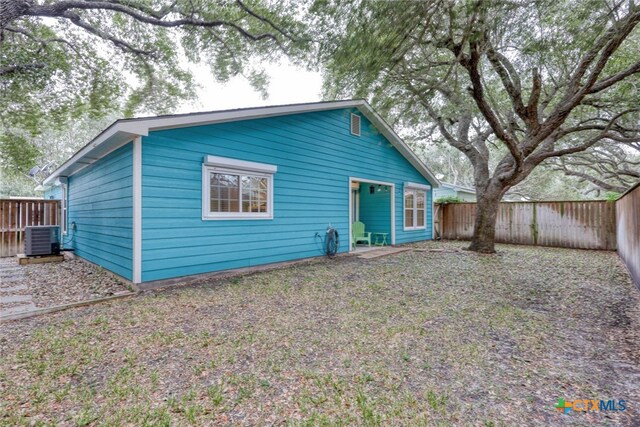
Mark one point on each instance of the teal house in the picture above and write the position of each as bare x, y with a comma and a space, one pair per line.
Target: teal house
163, 197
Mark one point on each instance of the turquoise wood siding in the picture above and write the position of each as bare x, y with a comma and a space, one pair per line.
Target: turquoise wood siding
101, 204
315, 154
375, 209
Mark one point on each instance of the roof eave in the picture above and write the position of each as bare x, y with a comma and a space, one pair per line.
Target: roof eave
110, 139
397, 142
123, 131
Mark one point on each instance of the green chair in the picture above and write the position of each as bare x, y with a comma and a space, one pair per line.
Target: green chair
359, 235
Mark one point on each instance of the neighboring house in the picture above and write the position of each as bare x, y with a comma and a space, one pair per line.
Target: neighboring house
162, 197
452, 190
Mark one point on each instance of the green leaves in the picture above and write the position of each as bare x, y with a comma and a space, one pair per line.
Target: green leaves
62, 61
17, 154
92, 58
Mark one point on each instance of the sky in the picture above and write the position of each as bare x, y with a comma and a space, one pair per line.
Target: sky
288, 85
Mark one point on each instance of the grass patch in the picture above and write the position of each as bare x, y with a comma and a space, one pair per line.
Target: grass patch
418, 338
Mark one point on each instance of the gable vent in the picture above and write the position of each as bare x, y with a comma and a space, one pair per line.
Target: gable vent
355, 124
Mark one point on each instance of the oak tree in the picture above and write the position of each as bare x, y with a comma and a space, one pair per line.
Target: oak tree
510, 84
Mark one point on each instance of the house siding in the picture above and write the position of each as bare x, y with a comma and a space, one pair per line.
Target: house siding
53, 193
441, 192
315, 154
100, 202
445, 191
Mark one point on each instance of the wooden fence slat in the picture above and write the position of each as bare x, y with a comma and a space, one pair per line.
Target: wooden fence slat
16, 215
579, 224
628, 231
2, 217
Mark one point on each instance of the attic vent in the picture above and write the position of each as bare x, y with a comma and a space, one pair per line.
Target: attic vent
355, 124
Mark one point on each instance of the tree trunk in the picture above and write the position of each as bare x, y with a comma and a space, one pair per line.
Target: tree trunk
484, 232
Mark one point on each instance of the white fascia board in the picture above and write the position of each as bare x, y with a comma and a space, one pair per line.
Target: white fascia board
170, 122
140, 127
397, 142
457, 187
472, 192
82, 155
227, 162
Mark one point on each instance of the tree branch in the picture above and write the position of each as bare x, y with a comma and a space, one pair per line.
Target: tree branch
604, 134
21, 68
472, 64
60, 8
615, 78
265, 20
602, 50
513, 90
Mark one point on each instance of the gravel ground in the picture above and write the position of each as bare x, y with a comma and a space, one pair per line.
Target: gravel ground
442, 338
57, 283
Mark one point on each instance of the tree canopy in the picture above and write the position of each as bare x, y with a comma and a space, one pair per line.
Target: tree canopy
509, 84
70, 59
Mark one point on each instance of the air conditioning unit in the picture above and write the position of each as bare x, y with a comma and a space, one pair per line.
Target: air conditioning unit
42, 240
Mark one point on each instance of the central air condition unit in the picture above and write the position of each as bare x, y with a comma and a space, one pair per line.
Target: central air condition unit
42, 240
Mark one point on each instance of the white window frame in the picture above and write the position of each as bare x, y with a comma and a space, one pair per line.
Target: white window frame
64, 214
415, 189
63, 182
224, 165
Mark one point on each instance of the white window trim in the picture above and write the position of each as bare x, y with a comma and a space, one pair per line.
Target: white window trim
63, 182
64, 209
235, 167
359, 118
242, 165
414, 187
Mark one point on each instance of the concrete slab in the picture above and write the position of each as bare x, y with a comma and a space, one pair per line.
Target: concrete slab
15, 298
12, 288
17, 309
384, 251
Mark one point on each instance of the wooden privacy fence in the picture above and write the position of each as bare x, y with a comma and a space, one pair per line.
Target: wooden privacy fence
16, 215
628, 220
582, 225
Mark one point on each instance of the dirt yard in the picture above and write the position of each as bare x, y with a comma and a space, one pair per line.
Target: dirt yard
442, 338
27, 288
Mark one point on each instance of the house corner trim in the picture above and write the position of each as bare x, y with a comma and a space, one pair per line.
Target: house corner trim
137, 210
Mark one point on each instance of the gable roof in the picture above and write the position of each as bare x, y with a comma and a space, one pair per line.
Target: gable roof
457, 187
122, 131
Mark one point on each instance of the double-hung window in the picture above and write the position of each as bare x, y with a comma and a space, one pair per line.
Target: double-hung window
236, 189
415, 206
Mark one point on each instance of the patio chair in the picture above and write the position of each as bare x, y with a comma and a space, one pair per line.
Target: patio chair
359, 235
